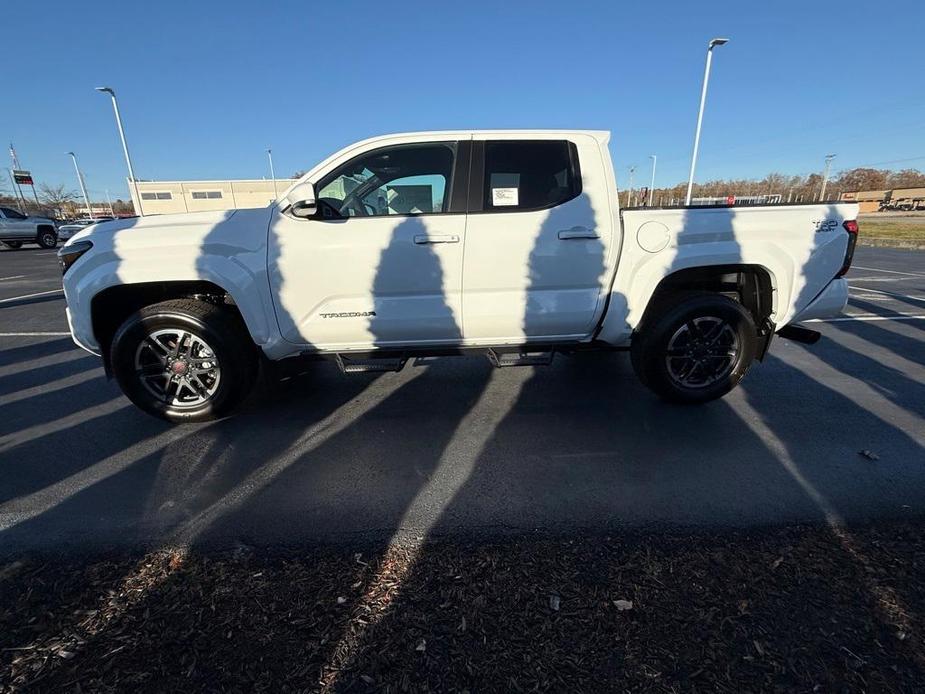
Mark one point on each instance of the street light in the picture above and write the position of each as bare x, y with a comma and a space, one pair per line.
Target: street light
703, 99
629, 195
652, 184
272, 173
128, 159
83, 188
825, 175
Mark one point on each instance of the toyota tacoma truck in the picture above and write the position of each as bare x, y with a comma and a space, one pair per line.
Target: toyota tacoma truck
510, 244
17, 229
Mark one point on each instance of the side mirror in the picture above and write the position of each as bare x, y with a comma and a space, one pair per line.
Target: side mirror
301, 201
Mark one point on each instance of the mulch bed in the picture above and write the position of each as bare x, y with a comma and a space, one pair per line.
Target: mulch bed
793, 609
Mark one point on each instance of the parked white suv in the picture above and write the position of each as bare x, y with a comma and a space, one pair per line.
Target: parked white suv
17, 229
506, 243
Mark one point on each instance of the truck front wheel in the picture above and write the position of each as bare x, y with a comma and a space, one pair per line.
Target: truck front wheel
184, 360
697, 347
47, 237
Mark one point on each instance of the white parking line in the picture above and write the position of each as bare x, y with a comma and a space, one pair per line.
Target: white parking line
891, 272
29, 296
865, 317
34, 334
13, 277
898, 296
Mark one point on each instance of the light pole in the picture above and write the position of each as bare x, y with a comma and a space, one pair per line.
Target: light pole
703, 100
652, 184
272, 173
83, 188
629, 195
128, 159
825, 174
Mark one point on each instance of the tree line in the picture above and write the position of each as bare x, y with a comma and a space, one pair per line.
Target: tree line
56, 201
800, 188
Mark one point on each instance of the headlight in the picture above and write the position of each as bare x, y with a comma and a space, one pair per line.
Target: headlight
69, 254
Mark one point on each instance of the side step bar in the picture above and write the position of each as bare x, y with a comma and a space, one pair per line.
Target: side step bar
502, 359
798, 333
350, 365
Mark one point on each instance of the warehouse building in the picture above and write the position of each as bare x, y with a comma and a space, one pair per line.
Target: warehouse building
171, 197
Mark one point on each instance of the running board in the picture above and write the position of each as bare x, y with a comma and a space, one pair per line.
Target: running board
502, 359
798, 333
350, 365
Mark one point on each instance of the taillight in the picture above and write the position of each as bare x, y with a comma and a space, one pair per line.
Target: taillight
851, 226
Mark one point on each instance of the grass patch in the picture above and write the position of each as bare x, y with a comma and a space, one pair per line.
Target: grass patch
893, 229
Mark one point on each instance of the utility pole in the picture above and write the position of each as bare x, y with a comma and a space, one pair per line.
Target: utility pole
703, 99
652, 184
825, 174
83, 187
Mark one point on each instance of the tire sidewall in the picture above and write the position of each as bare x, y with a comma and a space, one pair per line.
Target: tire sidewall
42, 240
229, 353
655, 372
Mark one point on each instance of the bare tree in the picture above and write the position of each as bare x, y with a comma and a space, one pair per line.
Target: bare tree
56, 196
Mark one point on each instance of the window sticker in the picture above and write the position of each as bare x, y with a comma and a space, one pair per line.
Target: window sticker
503, 196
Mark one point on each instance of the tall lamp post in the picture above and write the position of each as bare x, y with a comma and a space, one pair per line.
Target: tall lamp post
703, 99
128, 159
652, 184
83, 188
825, 175
272, 173
629, 194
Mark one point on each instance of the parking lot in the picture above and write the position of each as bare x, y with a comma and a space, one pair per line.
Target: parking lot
453, 446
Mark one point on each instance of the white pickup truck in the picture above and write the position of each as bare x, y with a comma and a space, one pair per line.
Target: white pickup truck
506, 243
17, 229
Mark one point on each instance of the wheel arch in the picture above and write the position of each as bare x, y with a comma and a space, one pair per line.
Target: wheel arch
753, 286
110, 307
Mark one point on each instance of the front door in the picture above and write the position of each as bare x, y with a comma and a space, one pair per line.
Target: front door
380, 265
538, 241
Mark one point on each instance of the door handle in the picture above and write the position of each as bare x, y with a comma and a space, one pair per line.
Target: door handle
578, 232
436, 238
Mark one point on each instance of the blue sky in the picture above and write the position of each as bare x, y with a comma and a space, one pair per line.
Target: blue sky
206, 86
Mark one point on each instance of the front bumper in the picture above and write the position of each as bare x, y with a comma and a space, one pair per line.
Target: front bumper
82, 338
830, 302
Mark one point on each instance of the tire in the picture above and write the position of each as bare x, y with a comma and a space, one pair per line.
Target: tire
47, 237
164, 381
696, 348
15, 245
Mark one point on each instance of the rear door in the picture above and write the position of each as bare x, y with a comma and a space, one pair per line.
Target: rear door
538, 239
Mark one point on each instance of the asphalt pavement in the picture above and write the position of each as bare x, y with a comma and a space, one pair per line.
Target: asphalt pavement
827, 433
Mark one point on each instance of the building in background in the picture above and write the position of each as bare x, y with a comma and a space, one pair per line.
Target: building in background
171, 197
868, 200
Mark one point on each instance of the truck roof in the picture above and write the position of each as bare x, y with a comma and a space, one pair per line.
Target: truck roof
602, 136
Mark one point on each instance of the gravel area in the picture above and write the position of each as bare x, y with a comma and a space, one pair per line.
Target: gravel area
794, 608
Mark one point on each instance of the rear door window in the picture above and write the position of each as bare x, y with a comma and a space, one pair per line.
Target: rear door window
522, 175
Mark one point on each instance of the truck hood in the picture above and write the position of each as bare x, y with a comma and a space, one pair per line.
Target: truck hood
163, 221
224, 231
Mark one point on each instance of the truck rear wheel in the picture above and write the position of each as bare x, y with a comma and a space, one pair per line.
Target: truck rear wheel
697, 348
184, 360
